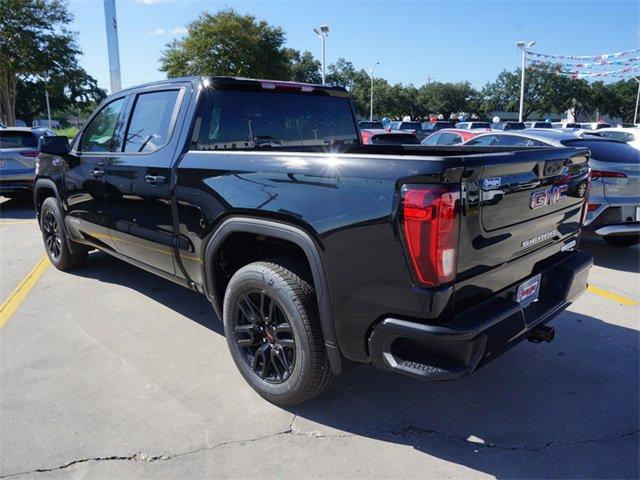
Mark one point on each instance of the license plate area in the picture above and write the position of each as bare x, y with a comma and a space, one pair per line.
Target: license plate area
529, 291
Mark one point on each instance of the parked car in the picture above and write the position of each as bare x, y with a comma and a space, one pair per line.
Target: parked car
314, 249
614, 202
414, 127
369, 125
473, 126
18, 152
508, 126
429, 128
538, 124
388, 137
594, 125
450, 136
630, 136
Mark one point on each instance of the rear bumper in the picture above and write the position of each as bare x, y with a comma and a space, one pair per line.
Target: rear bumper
11, 182
480, 334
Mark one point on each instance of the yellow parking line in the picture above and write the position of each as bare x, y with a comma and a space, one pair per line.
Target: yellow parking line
17, 222
11, 304
612, 296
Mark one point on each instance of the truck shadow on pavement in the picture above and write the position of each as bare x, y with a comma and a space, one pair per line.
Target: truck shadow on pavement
568, 409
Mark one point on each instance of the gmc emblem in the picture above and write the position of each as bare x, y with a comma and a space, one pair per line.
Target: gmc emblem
546, 197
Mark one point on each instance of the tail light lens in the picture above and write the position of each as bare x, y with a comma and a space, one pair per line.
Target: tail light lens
586, 206
596, 174
366, 136
593, 207
431, 227
29, 153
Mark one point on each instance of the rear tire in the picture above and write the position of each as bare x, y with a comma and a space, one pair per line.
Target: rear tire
55, 238
273, 332
626, 241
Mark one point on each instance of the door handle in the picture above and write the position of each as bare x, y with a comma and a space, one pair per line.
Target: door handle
155, 179
96, 172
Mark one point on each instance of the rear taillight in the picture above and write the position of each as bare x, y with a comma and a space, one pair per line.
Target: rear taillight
596, 174
29, 153
430, 225
366, 136
593, 207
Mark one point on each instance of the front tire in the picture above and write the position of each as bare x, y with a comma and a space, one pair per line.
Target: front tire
273, 332
55, 238
625, 241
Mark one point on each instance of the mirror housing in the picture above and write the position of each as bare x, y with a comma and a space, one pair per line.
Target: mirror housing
58, 145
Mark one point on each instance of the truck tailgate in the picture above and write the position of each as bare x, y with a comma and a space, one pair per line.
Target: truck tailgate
520, 211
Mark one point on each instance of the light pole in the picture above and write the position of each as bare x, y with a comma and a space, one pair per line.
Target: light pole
112, 44
524, 46
371, 69
322, 32
46, 96
635, 115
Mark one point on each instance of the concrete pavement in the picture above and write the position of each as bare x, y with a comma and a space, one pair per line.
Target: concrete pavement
111, 372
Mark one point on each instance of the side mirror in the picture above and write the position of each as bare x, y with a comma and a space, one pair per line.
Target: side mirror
58, 145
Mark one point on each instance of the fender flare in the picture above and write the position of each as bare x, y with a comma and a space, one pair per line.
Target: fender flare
291, 234
47, 182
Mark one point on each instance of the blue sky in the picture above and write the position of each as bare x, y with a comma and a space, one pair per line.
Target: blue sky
412, 40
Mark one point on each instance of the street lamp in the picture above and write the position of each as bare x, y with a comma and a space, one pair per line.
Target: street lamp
322, 32
371, 69
524, 46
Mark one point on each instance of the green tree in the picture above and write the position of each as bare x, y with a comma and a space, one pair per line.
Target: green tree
304, 67
36, 45
227, 43
447, 98
73, 93
619, 99
504, 94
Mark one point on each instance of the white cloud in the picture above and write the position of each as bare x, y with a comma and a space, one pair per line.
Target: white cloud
157, 32
152, 2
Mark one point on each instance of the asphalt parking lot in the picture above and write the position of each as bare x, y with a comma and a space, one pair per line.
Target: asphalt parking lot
111, 372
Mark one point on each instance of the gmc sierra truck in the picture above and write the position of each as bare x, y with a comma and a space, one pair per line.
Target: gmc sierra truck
316, 251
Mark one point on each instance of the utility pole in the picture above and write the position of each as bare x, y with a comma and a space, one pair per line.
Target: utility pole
322, 32
635, 115
46, 96
524, 46
112, 44
371, 69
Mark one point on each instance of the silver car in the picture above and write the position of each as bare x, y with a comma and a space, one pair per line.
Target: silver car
614, 201
18, 153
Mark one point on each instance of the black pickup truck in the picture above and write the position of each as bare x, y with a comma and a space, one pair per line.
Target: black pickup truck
316, 251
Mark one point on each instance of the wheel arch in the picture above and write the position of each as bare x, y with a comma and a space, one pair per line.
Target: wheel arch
42, 189
288, 233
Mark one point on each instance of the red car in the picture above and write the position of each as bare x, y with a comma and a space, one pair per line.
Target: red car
388, 137
451, 136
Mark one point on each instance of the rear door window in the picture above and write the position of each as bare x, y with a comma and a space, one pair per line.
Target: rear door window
607, 151
15, 139
100, 134
150, 124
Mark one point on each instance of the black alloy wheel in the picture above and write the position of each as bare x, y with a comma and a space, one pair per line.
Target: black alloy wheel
264, 336
51, 233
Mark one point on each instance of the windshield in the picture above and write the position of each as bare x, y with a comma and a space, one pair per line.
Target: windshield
607, 151
257, 119
13, 139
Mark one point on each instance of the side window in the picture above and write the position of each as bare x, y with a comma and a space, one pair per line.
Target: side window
449, 139
431, 139
99, 135
149, 127
486, 140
